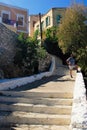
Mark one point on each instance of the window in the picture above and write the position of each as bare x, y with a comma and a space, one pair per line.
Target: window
58, 18
48, 21
20, 20
5, 16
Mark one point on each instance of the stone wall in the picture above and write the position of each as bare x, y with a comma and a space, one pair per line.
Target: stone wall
44, 64
79, 108
7, 36
8, 39
7, 45
10, 27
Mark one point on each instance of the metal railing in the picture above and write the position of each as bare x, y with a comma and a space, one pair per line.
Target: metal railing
9, 22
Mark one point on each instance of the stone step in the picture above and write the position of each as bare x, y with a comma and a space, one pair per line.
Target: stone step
36, 94
33, 118
46, 101
36, 108
41, 127
36, 127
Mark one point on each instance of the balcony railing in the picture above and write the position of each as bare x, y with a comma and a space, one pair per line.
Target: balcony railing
10, 22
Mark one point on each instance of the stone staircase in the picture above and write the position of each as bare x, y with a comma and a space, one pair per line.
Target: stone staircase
35, 110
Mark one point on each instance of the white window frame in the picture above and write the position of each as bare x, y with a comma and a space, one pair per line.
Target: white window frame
20, 15
6, 12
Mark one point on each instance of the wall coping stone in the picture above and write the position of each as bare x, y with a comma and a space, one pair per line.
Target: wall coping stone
79, 107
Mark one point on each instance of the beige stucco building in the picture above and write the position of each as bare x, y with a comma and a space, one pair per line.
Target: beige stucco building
32, 21
51, 18
14, 16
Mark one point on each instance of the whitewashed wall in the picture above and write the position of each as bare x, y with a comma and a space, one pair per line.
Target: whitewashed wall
17, 82
56, 69
79, 108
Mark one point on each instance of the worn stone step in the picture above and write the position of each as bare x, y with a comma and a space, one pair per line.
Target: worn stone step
57, 109
36, 94
46, 101
33, 118
41, 127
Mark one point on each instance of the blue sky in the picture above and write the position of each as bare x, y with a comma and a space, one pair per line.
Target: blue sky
41, 6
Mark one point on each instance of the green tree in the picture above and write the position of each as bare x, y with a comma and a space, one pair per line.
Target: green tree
28, 54
73, 32
51, 42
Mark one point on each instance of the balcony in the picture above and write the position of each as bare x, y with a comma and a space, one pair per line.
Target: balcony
9, 22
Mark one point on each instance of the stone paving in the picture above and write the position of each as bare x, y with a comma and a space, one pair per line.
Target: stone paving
53, 84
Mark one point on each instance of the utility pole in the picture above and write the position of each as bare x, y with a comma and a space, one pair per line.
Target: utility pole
40, 27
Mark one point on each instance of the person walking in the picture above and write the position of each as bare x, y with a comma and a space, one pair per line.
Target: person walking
71, 64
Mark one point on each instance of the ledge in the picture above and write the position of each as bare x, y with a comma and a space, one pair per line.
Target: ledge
79, 108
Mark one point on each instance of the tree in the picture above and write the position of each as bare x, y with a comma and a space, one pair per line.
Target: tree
73, 32
51, 42
28, 54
